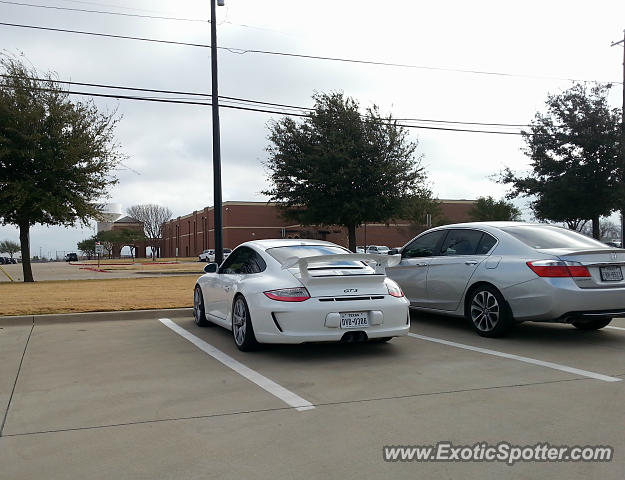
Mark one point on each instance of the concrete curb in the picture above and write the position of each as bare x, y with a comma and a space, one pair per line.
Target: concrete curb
95, 316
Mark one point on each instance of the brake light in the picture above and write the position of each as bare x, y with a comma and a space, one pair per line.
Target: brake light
297, 294
393, 289
558, 269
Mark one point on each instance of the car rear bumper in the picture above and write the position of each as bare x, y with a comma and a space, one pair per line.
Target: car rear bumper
560, 300
311, 321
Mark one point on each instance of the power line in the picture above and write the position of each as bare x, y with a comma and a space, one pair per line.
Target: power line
99, 4
124, 37
235, 107
258, 102
84, 10
153, 90
242, 51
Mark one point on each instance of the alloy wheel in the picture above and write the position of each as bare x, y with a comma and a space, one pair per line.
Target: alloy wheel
239, 321
485, 311
197, 302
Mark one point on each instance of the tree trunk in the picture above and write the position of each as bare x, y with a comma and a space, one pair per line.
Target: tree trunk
351, 235
595, 228
25, 246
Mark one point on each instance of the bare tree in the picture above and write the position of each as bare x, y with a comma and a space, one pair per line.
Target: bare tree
608, 230
153, 217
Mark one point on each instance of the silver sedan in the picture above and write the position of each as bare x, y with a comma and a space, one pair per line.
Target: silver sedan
500, 273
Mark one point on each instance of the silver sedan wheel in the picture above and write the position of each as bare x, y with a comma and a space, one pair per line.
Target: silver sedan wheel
485, 311
239, 321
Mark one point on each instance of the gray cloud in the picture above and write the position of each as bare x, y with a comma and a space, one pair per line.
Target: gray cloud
170, 145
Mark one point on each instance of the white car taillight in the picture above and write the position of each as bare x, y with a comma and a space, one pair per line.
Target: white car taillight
297, 294
393, 289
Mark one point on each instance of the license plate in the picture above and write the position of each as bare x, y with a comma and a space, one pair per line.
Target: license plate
354, 319
611, 274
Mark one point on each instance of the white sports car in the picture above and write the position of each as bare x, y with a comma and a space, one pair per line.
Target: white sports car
296, 291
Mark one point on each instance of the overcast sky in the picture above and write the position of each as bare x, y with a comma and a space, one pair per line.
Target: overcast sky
541, 43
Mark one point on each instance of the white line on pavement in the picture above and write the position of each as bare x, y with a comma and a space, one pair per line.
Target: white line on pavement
615, 328
555, 366
263, 382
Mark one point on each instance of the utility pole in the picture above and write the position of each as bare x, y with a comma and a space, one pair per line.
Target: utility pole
216, 139
622, 42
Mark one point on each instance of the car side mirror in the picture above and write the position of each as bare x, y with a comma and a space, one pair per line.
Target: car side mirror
210, 268
393, 251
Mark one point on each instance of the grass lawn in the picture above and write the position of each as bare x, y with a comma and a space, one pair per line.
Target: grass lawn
72, 296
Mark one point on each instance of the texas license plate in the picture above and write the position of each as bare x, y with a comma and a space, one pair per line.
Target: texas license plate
354, 319
611, 274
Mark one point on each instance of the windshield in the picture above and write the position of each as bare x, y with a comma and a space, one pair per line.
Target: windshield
281, 254
544, 237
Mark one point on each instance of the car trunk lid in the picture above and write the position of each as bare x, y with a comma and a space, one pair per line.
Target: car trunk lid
605, 265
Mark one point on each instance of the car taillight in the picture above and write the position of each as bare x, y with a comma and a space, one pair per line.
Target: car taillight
393, 289
297, 294
558, 269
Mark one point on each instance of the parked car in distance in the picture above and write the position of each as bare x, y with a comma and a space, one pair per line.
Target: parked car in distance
207, 256
71, 257
500, 273
360, 249
3, 261
296, 291
381, 249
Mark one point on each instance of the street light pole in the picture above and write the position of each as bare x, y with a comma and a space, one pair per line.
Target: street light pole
622, 42
216, 139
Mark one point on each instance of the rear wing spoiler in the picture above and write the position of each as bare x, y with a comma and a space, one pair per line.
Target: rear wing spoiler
381, 261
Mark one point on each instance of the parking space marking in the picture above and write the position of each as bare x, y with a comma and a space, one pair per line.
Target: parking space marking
263, 382
615, 328
533, 361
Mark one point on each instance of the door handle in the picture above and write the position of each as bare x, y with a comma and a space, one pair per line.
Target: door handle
470, 262
421, 264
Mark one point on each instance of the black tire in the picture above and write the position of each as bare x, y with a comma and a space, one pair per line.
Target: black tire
488, 312
199, 313
242, 329
592, 324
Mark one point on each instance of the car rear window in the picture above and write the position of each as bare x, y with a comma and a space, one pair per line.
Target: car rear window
281, 254
544, 237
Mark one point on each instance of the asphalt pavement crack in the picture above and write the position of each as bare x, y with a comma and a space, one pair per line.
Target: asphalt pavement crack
278, 409
17, 376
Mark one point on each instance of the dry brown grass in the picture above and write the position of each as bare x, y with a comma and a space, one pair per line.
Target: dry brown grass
128, 261
72, 296
164, 265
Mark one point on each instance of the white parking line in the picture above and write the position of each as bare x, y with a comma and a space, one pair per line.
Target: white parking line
263, 382
555, 366
615, 328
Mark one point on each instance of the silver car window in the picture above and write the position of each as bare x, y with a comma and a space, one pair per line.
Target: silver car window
544, 236
461, 242
486, 243
424, 245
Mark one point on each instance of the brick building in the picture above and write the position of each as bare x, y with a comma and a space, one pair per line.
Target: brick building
128, 223
187, 236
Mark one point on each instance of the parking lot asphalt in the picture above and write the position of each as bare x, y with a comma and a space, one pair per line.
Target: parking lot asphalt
136, 399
